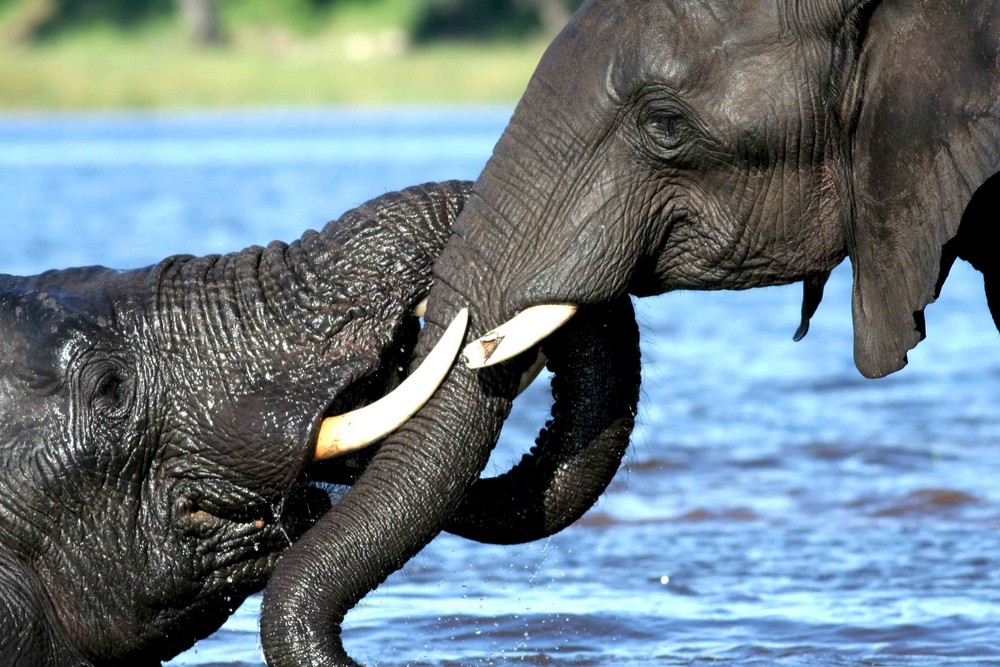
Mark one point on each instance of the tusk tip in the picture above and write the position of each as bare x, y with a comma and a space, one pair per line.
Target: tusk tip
525, 330
478, 353
346, 433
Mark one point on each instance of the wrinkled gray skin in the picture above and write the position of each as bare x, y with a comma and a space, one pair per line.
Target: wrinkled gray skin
156, 425
699, 144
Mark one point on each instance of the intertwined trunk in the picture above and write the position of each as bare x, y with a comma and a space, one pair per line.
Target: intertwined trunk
421, 474
596, 392
399, 504
375, 261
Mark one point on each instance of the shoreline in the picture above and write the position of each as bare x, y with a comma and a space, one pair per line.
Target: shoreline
120, 74
169, 113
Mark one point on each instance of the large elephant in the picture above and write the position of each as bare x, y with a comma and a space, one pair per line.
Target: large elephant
686, 144
158, 424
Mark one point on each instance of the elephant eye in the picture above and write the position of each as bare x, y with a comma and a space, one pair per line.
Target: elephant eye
664, 128
108, 388
103, 391
109, 391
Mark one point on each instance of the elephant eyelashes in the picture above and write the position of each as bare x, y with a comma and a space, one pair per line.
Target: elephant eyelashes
664, 128
109, 390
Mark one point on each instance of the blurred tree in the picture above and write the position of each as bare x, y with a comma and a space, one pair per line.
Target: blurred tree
202, 19
493, 18
23, 22
300, 15
28, 20
554, 14
35, 19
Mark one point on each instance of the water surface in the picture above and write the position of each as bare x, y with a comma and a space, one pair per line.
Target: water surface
776, 508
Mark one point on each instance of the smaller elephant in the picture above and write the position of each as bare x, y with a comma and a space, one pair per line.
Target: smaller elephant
158, 425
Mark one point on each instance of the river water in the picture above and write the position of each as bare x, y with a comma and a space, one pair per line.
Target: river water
775, 509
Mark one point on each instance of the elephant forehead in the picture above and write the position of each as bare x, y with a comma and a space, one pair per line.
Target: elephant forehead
90, 297
46, 319
737, 48
39, 334
689, 16
755, 89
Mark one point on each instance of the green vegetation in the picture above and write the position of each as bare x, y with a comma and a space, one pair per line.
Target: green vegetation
102, 72
61, 54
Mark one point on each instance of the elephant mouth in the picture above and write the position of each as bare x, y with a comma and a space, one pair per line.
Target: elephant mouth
362, 413
196, 515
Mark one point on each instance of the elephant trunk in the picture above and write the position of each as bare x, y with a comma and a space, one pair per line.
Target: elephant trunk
401, 501
531, 264
596, 392
280, 311
374, 261
391, 513
419, 477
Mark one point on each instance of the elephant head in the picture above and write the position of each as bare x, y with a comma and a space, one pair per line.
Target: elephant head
682, 145
685, 144
157, 426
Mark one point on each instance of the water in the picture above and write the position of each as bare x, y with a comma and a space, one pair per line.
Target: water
776, 508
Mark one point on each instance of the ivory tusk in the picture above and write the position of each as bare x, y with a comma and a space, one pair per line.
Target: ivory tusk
421, 308
526, 329
529, 376
354, 430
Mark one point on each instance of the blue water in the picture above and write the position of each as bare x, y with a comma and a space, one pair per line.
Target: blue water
775, 509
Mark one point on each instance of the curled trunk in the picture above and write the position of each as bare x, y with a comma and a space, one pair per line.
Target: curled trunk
596, 392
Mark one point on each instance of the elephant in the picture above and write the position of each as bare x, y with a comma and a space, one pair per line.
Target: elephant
679, 145
160, 425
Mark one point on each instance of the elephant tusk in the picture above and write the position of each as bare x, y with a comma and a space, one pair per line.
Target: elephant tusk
526, 329
529, 375
420, 309
354, 430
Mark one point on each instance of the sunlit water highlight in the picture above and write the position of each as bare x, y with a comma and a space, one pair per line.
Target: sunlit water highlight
776, 509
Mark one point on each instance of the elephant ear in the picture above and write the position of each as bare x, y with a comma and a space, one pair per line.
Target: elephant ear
923, 131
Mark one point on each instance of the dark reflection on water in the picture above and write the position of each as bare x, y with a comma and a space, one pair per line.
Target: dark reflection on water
776, 508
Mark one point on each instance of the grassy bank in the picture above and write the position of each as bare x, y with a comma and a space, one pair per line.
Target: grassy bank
162, 70
359, 53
